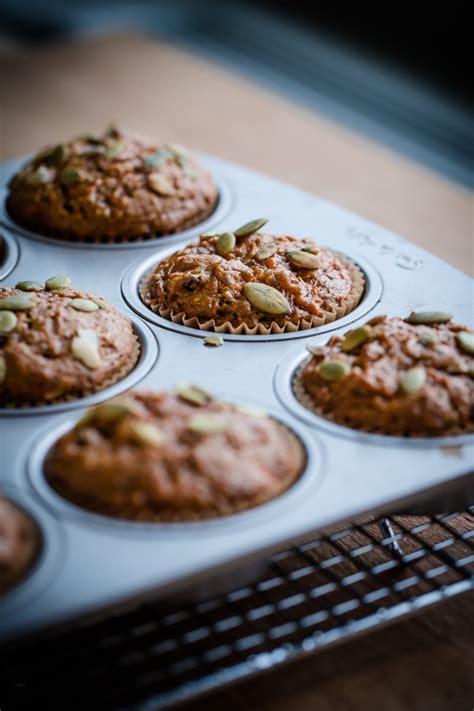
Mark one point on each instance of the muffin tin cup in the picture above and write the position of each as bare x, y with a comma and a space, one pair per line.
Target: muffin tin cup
11, 253
306, 485
50, 558
220, 212
149, 351
283, 383
140, 269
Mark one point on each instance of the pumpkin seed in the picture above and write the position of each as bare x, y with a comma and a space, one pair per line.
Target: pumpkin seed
57, 155
267, 299
41, 176
312, 250
302, 259
178, 151
83, 305
333, 370
68, 177
148, 433
356, 338
57, 282
207, 424
112, 410
266, 251
8, 321
252, 411
157, 159
250, 227
205, 235
427, 339
413, 379
160, 185
193, 394
3, 369
191, 173
225, 243
428, 317
28, 286
100, 303
315, 350
18, 302
85, 347
113, 150
465, 341
214, 340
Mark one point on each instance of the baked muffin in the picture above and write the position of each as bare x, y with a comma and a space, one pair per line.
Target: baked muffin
158, 456
116, 188
409, 377
19, 544
251, 282
58, 343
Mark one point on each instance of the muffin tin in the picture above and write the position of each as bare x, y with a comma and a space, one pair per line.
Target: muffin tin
106, 563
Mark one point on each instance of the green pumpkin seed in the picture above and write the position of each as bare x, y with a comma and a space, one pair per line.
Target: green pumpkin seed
41, 176
428, 339
160, 185
3, 369
333, 370
214, 340
225, 243
266, 251
18, 302
29, 286
101, 303
428, 317
113, 150
206, 235
58, 155
207, 424
252, 411
178, 151
315, 350
356, 338
111, 411
250, 227
57, 282
148, 433
86, 349
412, 380
312, 250
302, 259
83, 305
68, 177
465, 340
193, 394
157, 159
8, 321
88, 334
267, 299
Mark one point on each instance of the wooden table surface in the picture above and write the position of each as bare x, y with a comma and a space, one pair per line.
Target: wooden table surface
51, 93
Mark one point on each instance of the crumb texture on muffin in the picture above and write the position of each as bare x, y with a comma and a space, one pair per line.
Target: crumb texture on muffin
116, 187
224, 292
157, 456
394, 377
60, 343
19, 544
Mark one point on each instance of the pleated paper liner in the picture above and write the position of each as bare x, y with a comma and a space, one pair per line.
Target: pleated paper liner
353, 299
127, 368
310, 404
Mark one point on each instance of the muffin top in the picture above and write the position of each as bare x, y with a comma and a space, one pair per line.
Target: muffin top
157, 456
116, 187
19, 543
396, 376
254, 279
58, 343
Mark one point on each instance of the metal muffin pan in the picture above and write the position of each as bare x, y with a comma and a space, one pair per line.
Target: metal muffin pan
10, 253
223, 207
139, 269
114, 563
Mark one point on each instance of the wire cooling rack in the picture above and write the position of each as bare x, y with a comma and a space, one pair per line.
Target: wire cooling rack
316, 593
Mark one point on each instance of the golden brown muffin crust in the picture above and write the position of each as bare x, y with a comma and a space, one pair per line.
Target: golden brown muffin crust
19, 544
37, 358
105, 466
117, 187
200, 283
371, 396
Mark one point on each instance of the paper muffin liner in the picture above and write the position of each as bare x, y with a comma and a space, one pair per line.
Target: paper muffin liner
352, 300
127, 368
310, 404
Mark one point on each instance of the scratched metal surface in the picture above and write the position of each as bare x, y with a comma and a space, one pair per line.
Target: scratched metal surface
101, 562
